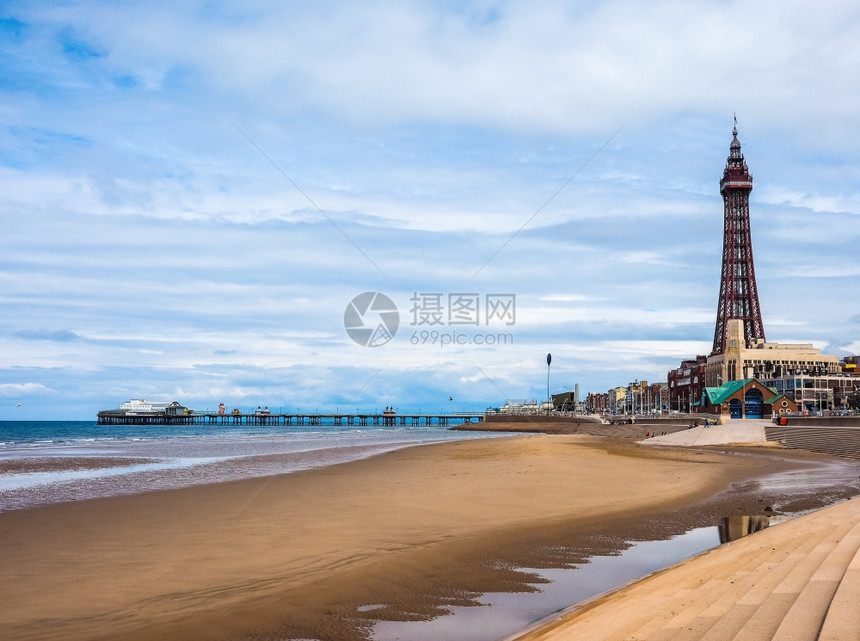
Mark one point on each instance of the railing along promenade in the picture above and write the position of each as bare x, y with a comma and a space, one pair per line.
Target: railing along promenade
215, 419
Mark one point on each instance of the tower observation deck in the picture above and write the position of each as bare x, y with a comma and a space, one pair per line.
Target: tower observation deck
738, 291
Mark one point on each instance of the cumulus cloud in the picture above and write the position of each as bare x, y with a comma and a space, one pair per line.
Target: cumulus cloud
22, 389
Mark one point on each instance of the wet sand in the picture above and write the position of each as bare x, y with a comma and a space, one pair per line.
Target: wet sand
324, 553
66, 464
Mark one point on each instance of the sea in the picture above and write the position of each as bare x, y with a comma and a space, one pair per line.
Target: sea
43, 462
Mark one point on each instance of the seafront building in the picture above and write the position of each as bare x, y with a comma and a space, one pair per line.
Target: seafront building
566, 401
766, 361
617, 399
686, 383
815, 381
746, 398
597, 403
639, 397
817, 391
612, 401
744, 375
808, 378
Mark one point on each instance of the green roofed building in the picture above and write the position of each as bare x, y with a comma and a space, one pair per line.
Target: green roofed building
746, 398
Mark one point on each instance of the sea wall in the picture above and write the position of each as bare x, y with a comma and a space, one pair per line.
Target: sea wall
541, 419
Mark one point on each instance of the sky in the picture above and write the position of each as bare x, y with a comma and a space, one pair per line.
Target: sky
222, 201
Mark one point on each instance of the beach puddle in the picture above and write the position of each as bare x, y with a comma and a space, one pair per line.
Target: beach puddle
550, 590
545, 591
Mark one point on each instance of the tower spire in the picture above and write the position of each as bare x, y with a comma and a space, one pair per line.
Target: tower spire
738, 290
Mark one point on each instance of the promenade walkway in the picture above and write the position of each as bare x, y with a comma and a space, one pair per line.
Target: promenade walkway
826, 439
799, 581
747, 430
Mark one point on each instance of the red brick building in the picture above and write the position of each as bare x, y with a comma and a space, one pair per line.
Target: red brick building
686, 383
596, 403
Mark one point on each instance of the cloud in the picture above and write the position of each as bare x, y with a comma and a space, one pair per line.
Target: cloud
559, 68
835, 203
23, 389
141, 227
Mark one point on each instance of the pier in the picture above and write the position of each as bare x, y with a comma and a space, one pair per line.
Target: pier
216, 419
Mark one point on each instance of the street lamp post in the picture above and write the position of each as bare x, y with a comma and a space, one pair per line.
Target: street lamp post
548, 397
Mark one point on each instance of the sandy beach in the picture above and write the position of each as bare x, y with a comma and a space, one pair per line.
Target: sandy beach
324, 553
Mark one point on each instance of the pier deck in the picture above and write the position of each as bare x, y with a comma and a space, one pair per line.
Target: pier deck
118, 417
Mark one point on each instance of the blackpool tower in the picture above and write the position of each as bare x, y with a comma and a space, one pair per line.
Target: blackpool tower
738, 291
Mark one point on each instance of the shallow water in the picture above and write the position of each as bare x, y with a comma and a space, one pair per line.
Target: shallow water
51, 462
505, 614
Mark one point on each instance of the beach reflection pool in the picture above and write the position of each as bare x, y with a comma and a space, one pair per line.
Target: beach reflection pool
511, 613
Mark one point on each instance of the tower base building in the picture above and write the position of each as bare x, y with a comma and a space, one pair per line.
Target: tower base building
779, 366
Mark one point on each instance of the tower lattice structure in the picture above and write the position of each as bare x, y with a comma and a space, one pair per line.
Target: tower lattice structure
738, 291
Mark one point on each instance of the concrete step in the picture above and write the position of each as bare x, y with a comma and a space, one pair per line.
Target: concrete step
821, 439
842, 620
694, 593
806, 616
776, 604
827, 440
815, 433
762, 585
721, 606
731, 611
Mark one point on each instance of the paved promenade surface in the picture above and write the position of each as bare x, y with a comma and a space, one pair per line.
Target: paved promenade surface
747, 430
799, 580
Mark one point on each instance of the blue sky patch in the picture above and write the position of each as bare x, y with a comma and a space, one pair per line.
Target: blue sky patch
75, 48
